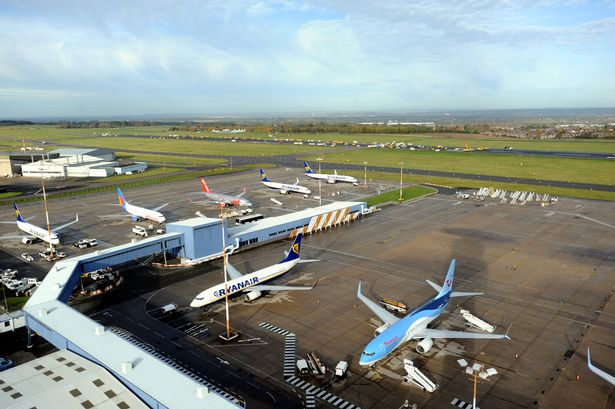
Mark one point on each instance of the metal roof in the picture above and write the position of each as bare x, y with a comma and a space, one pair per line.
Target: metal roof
157, 379
81, 151
291, 217
195, 222
63, 379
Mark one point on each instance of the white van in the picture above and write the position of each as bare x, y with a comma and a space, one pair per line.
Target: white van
302, 367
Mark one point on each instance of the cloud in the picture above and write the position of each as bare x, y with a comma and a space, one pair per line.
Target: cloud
264, 55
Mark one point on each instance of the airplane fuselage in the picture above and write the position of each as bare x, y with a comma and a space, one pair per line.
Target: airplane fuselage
38, 232
227, 199
242, 283
332, 178
403, 330
289, 188
144, 213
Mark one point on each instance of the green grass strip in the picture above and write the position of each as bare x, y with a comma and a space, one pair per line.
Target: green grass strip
408, 193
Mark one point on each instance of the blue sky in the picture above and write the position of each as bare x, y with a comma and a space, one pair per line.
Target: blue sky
104, 58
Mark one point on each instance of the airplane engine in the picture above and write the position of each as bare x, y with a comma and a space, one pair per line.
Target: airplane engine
27, 240
252, 295
284, 191
330, 181
135, 218
380, 329
424, 346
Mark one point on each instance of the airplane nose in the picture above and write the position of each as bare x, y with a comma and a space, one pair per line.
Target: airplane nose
194, 304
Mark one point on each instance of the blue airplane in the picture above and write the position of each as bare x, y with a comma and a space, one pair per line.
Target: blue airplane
397, 331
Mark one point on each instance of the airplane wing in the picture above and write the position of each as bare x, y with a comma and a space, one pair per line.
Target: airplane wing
443, 333
232, 271
17, 237
62, 227
604, 375
296, 183
160, 207
266, 287
242, 193
383, 314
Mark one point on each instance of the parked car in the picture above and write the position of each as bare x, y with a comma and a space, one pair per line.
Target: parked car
5, 364
85, 243
27, 257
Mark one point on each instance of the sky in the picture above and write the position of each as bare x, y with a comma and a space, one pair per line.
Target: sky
71, 58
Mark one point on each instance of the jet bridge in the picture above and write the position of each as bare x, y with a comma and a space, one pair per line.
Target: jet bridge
157, 383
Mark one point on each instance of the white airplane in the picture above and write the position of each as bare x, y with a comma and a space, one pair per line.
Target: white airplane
283, 187
397, 331
607, 377
329, 178
252, 283
138, 213
35, 233
222, 199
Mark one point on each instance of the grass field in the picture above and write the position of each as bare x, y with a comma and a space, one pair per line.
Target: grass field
597, 171
6, 195
475, 184
171, 160
408, 193
16, 303
12, 136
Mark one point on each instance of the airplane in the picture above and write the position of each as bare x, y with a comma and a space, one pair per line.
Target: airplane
329, 178
35, 233
138, 213
252, 283
607, 377
397, 331
283, 187
220, 198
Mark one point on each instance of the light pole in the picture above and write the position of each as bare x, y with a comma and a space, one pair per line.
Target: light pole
476, 370
365, 173
319, 159
401, 180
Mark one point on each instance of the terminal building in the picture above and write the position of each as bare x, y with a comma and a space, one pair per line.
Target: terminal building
157, 382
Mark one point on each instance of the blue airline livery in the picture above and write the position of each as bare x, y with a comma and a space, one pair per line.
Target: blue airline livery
284, 188
328, 177
253, 283
397, 331
35, 233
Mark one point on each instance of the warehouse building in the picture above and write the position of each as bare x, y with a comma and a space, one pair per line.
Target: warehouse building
80, 163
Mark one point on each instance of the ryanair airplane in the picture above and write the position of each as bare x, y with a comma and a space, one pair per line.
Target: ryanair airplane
35, 233
283, 187
253, 283
395, 331
327, 177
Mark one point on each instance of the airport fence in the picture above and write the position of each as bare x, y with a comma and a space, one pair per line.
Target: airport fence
175, 177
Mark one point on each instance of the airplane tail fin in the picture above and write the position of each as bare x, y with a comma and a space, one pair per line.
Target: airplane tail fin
120, 198
204, 186
307, 167
17, 213
264, 177
293, 254
447, 287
